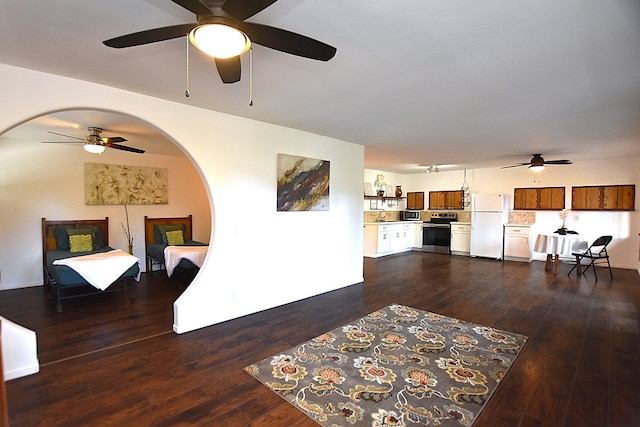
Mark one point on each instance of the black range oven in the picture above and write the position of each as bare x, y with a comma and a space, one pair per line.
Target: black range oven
436, 233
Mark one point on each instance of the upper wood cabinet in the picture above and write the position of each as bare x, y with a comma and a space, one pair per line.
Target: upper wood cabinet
604, 197
446, 199
415, 200
543, 198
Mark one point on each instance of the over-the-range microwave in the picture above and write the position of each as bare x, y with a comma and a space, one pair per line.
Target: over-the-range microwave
410, 215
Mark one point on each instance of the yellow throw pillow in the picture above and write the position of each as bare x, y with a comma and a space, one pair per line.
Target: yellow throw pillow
175, 238
81, 243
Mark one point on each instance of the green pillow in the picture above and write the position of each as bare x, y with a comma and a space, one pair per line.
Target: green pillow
175, 237
80, 243
93, 231
166, 228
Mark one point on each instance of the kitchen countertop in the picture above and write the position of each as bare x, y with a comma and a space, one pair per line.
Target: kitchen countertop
392, 222
517, 225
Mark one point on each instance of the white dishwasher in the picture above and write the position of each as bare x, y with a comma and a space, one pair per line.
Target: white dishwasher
517, 242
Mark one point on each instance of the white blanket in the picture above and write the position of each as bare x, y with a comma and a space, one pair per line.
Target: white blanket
101, 269
173, 255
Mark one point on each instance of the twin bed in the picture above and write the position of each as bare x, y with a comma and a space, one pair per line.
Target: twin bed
169, 244
84, 240
77, 259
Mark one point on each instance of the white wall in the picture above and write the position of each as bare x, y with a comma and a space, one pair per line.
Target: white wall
19, 350
258, 258
623, 226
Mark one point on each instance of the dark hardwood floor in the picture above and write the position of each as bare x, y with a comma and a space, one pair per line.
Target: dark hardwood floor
110, 361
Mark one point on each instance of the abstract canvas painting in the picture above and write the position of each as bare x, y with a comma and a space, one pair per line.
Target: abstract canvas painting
303, 184
106, 184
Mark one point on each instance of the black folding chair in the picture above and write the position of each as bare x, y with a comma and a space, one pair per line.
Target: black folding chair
596, 254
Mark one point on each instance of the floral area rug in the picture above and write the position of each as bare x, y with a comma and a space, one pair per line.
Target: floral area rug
397, 366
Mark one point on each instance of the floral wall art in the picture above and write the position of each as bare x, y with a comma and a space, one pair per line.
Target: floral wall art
106, 184
303, 184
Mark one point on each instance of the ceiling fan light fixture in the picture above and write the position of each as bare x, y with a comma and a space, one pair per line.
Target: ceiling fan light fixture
536, 168
94, 148
219, 40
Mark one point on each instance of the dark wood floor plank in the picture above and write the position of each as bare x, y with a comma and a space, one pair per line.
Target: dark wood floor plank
558, 358
625, 364
590, 396
107, 360
165, 411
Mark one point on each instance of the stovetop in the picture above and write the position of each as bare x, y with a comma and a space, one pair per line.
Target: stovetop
442, 217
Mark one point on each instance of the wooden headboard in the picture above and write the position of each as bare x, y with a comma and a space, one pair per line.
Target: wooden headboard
149, 233
49, 239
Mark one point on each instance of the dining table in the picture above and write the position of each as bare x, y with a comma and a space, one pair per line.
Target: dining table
558, 245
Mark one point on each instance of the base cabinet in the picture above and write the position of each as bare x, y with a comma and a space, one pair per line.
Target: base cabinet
517, 243
386, 238
460, 239
417, 235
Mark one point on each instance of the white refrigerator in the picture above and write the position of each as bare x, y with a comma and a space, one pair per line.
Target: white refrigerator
489, 213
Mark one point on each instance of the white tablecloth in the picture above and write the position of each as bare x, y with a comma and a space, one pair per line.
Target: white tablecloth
559, 244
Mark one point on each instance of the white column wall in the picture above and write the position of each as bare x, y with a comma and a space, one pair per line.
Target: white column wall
259, 258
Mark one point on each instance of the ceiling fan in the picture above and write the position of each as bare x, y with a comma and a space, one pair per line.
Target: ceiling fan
94, 143
217, 19
538, 163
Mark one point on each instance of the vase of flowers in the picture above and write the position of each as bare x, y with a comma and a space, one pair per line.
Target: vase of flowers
564, 213
380, 185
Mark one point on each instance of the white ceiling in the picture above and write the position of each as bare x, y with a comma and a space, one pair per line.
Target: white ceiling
417, 82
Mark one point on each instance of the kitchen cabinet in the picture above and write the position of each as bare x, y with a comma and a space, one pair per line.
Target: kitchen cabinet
517, 242
606, 197
415, 200
401, 238
386, 238
460, 238
446, 199
417, 235
542, 198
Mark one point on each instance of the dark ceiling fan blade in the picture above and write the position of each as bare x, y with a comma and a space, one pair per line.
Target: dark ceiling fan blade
515, 166
66, 136
150, 36
288, 42
245, 9
124, 148
558, 162
193, 6
229, 69
538, 160
113, 139
63, 142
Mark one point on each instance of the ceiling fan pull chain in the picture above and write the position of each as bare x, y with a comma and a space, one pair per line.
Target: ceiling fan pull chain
251, 77
186, 92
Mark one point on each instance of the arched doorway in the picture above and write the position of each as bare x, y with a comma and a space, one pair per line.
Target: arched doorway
46, 180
